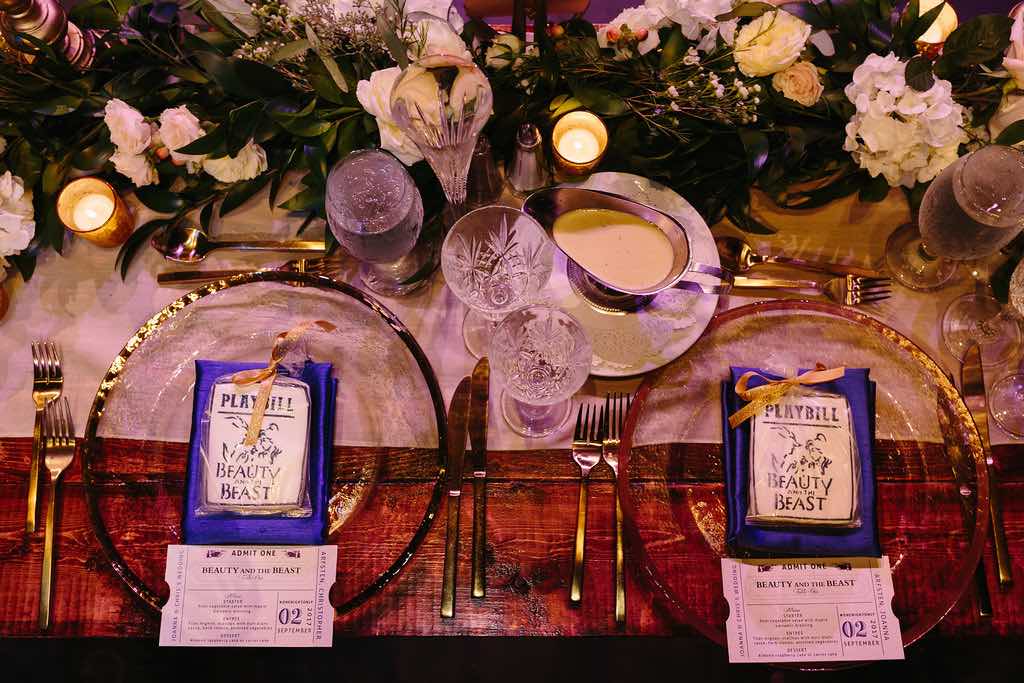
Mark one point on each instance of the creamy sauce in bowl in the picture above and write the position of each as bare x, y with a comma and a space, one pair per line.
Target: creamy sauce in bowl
616, 247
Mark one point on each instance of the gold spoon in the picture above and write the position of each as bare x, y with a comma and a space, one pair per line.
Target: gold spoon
739, 257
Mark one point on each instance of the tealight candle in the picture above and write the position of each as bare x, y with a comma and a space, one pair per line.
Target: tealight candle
89, 207
92, 211
579, 141
943, 25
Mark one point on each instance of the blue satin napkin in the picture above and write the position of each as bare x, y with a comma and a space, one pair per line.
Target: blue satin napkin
229, 527
744, 538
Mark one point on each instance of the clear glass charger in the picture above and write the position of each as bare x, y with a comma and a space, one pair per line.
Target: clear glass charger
932, 522
382, 500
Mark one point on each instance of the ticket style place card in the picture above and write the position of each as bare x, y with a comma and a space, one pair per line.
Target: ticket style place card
249, 596
835, 609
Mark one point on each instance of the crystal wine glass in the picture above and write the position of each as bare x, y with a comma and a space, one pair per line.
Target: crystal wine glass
375, 210
976, 209
972, 209
495, 259
1006, 397
442, 102
542, 357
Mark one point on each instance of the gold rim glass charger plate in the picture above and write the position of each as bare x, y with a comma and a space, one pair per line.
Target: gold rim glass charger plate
932, 487
136, 440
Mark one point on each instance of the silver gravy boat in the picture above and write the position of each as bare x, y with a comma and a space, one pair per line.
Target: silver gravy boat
546, 205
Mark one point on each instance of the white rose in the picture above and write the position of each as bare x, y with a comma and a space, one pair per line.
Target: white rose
136, 167
375, 96
433, 36
128, 128
1014, 59
503, 51
800, 83
419, 91
250, 161
1011, 110
770, 43
642, 22
180, 127
16, 224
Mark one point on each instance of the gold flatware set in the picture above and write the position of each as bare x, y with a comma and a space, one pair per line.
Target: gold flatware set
53, 447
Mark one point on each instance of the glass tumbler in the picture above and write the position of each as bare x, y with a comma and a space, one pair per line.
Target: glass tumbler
542, 357
494, 259
375, 211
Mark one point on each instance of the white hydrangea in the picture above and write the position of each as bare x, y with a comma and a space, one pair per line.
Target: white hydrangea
905, 135
16, 223
696, 19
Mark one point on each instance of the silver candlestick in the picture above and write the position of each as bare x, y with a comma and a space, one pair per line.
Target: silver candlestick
46, 21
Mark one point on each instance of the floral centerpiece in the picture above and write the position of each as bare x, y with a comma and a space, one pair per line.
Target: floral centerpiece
198, 108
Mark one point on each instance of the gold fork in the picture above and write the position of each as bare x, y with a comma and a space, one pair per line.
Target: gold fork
328, 266
60, 451
615, 410
851, 290
47, 383
586, 452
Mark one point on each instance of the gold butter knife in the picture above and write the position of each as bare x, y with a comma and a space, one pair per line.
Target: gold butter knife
478, 398
457, 415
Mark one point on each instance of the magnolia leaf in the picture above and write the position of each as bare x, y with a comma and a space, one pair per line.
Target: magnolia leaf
136, 240
918, 74
557, 102
25, 162
600, 101
747, 9
159, 199
239, 13
757, 147
214, 143
981, 39
673, 48
1012, 134
242, 191
305, 200
324, 83
875, 190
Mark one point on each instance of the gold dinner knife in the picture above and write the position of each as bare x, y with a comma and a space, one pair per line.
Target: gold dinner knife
972, 382
961, 466
457, 413
478, 398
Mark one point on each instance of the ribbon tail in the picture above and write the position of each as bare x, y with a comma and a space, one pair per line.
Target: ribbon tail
260, 407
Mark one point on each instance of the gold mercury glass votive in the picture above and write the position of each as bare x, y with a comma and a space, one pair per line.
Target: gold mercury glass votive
90, 208
578, 143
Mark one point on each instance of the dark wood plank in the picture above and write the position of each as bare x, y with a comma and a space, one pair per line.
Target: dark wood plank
530, 519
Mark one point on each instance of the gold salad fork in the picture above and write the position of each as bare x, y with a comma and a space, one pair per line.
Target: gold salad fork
851, 290
47, 383
615, 411
586, 452
60, 451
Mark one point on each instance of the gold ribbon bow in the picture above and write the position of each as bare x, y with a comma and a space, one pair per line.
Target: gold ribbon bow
266, 376
772, 392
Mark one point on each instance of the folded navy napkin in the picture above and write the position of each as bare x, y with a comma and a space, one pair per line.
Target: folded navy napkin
230, 527
744, 538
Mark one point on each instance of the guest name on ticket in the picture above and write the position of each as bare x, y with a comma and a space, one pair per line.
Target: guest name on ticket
810, 610
249, 596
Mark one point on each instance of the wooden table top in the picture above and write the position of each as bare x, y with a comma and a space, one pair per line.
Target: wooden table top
531, 520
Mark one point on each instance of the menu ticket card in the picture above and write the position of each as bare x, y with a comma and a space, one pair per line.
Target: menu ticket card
249, 596
810, 610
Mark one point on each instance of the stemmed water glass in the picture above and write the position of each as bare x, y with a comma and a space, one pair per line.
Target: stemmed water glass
442, 102
542, 357
495, 259
375, 211
971, 210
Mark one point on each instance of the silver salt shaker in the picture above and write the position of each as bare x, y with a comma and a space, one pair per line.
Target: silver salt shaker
528, 170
